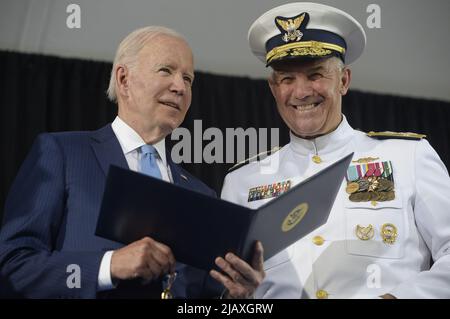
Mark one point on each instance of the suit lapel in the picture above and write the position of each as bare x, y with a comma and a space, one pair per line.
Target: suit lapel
107, 149
179, 178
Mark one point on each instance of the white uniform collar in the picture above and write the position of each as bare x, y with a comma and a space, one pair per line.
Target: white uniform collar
323, 144
130, 140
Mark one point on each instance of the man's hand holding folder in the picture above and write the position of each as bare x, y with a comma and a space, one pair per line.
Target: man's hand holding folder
152, 259
241, 279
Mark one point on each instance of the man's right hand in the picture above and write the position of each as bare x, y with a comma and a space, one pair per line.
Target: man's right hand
145, 258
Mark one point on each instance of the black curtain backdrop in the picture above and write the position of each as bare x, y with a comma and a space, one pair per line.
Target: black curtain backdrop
48, 94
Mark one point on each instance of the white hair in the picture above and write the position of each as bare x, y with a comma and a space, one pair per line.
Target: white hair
129, 49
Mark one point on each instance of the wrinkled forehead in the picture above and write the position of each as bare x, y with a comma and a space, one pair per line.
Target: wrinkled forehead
166, 44
167, 49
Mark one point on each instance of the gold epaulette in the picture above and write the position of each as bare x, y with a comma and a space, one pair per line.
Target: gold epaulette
398, 135
256, 157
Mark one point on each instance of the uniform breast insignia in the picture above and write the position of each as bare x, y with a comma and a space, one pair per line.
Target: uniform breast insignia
370, 182
389, 233
364, 233
268, 191
397, 135
365, 160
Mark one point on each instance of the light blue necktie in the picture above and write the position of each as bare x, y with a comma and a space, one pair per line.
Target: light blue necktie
148, 161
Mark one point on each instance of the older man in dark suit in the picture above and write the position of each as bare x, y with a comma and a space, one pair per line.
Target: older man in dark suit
53, 205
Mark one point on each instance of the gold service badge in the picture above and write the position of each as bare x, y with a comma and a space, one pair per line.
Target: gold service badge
364, 233
389, 233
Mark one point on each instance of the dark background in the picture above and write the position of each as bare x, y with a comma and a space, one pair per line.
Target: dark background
47, 94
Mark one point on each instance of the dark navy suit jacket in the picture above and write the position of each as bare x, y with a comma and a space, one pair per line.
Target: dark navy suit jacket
50, 219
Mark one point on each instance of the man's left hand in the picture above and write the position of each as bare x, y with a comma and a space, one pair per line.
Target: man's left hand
240, 278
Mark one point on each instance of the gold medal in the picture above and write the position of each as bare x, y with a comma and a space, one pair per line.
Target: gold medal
385, 185
390, 195
352, 188
366, 197
382, 196
363, 185
389, 233
373, 186
364, 233
357, 197
374, 196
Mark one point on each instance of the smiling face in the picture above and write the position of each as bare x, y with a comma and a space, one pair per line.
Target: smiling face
155, 91
309, 94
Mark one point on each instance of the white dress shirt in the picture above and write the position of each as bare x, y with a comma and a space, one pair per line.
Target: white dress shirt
130, 142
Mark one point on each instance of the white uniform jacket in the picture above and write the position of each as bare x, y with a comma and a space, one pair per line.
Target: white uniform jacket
337, 261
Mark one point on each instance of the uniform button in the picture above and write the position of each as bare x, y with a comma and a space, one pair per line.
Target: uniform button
318, 240
321, 294
316, 159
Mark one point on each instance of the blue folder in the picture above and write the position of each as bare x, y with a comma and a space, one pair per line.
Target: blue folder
198, 228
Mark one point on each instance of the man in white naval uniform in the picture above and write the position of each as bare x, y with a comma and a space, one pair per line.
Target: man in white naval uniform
391, 217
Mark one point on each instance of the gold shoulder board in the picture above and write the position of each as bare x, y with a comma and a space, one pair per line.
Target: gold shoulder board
397, 135
257, 157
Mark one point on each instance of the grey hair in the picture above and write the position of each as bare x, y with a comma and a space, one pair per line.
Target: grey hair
129, 49
340, 64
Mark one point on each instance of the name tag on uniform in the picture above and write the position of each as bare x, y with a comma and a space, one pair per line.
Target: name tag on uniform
268, 191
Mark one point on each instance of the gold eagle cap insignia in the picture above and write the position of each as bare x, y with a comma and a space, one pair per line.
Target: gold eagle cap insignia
291, 27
